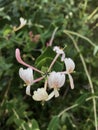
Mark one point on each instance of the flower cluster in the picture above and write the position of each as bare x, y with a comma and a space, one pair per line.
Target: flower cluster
53, 80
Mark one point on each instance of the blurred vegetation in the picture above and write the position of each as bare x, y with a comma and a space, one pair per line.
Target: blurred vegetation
77, 23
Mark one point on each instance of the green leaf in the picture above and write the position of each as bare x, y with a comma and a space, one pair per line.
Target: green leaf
54, 123
47, 53
82, 99
10, 119
19, 122
46, 63
35, 125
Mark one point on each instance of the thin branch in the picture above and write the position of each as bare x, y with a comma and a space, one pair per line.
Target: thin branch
54, 60
52, 38
67, 109
17, 116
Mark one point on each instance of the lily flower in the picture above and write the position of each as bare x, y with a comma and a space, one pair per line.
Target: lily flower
70, 66
59, 51
27, 76
22, 24
56, 80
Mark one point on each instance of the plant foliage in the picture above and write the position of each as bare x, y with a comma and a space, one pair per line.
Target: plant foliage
77, 23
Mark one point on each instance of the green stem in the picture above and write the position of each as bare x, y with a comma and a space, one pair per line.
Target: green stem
85, 5
52, 38
92, 14
54, 60
88, 76
67, 109
17, 116
79, 35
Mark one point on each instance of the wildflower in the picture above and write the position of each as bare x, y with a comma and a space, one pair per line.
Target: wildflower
56, 80
70, 66
40, 95
27, 76
22, 24
59, 51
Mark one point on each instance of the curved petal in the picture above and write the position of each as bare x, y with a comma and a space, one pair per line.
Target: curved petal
59, 51
28, 90
71, 81
50, 96
18, 57
70, 65
56, 93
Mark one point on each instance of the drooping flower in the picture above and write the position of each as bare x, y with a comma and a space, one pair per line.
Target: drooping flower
27, 76
59, 51
56, 80
70, 66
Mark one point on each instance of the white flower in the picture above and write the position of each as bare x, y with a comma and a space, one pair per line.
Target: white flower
59, 51
40, 95
27, 76
22, 22
70, 66
56, 80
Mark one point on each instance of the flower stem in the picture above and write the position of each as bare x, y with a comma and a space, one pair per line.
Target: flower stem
45, 84
67, 109
54, 60
37, 80
17, 116
52, 38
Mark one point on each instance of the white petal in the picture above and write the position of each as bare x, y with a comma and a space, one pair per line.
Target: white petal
26, 75
56, 80
50, 96
71, 81
28, 90
40, 95
56, 93
63, 57
22, 21
59, 51
70, 65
